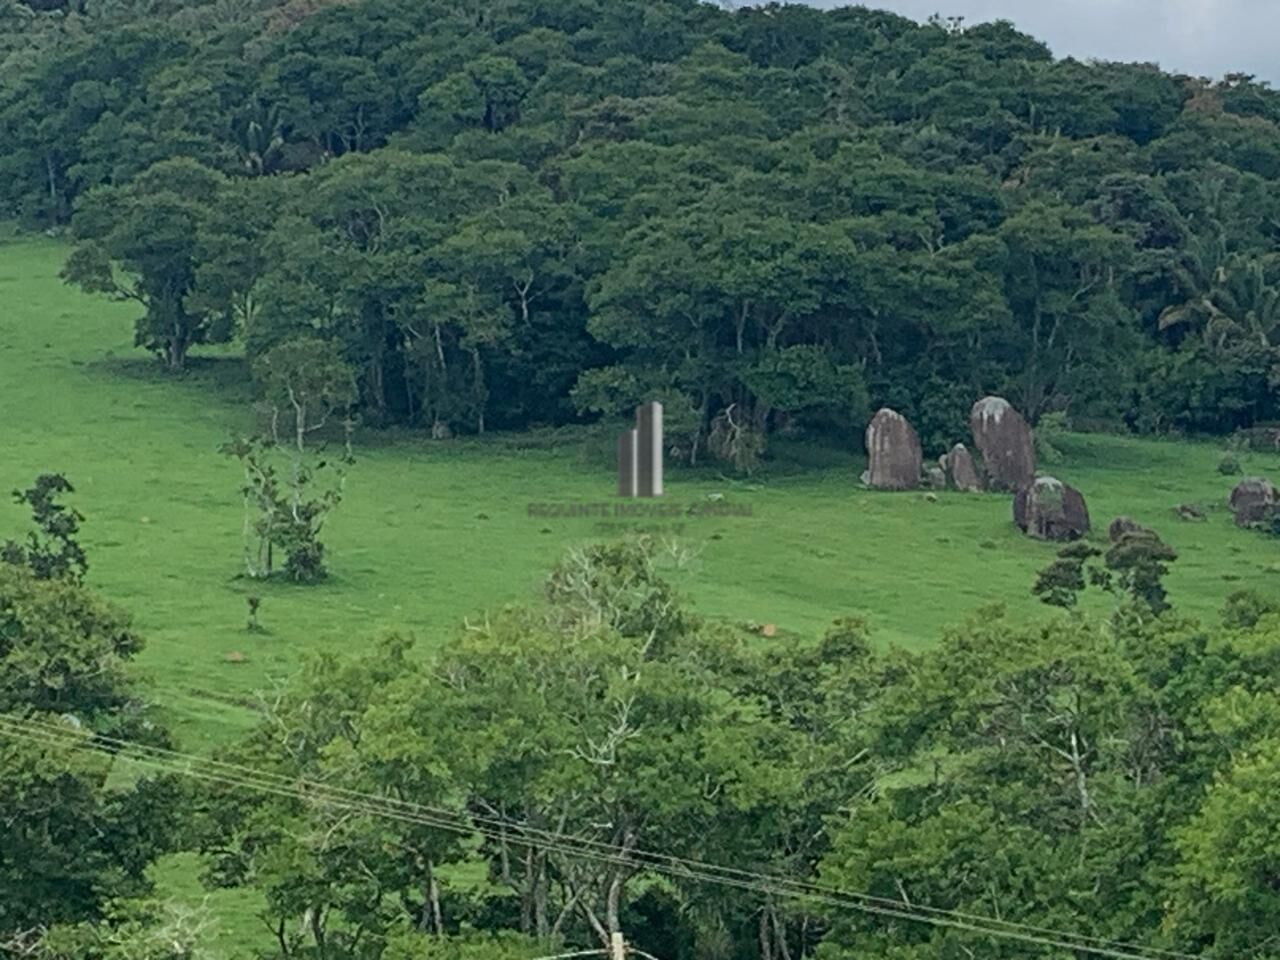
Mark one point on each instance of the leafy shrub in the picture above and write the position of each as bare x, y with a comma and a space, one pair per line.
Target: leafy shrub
1048, 435
1245, 608
54, 552
735, 442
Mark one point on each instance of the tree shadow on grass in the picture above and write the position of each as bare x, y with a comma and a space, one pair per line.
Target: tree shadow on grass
226, 378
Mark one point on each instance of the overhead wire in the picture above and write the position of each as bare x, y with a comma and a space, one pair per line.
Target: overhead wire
545, 838
497, 829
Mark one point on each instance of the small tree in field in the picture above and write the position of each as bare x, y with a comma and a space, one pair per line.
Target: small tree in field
1134, 567
53, 552
1061, 583
306, 383
288, 516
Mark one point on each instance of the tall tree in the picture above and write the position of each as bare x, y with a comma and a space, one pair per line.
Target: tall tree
138, 243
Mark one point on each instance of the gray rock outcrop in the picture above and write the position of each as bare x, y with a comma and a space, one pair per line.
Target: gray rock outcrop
963, 469
1005, 441
893, 450
1048, 509
1253, 500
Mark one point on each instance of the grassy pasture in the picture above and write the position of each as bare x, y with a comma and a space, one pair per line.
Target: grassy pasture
433, 532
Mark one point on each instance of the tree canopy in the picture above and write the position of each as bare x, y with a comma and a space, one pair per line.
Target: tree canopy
514, 215
1102, 778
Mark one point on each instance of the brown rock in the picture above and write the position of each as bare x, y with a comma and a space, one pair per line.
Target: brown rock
963, 470
1122, 526
1190, 512
1252, 500
1005, 442
935, 477
894, 452
1048, 509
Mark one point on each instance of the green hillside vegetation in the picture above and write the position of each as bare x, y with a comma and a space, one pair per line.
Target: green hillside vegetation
523, 214
307, 301
435, 533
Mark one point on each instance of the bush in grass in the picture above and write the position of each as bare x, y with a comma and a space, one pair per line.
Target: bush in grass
1048, 435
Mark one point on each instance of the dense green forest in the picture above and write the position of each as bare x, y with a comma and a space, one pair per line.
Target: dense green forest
515, 213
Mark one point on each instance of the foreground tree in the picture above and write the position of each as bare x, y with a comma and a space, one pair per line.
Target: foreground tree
1081, 775
612, 715
76, 835
1026, 753
63, 651
133, 930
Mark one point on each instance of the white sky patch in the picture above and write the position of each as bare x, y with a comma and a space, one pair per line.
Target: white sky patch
1201, 37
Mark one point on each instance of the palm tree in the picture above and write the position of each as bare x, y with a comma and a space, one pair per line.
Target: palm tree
1249, 303
1197, 276
261, 140
1230, 297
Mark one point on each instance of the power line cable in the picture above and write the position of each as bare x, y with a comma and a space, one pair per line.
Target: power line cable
767, 885
373, 805
467, 823
298, 788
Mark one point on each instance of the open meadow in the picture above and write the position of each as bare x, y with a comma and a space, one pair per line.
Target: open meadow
432, 532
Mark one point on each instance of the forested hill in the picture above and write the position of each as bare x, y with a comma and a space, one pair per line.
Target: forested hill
519, 211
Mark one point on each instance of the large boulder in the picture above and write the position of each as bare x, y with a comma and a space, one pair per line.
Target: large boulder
1005, 442
894, 452
963, 469
1048, 509
1253, 500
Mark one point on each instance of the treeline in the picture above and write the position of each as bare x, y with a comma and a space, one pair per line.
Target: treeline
518, 213
1108, 784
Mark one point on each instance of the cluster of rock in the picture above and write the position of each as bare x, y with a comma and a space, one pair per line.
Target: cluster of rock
1043, 507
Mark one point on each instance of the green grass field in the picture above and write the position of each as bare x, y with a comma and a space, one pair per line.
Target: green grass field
432, 532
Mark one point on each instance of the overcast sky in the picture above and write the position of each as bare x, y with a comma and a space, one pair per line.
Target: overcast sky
1203, 37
